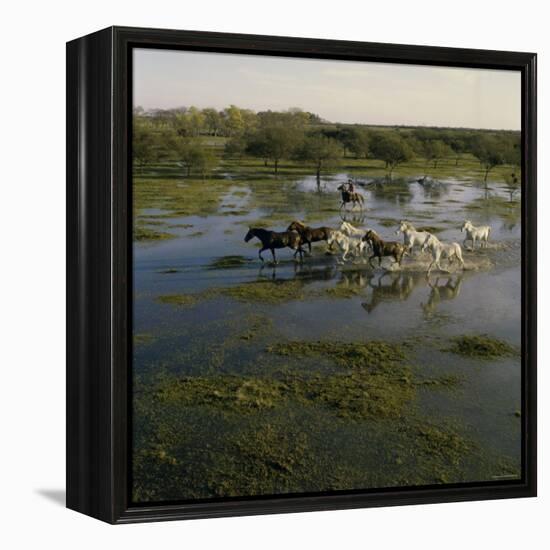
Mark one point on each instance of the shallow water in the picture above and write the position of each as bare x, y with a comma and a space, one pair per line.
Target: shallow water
394, 306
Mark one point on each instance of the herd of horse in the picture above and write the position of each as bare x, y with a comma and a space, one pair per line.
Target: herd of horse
367, 245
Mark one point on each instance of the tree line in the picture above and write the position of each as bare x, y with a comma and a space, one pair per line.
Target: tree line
182, 135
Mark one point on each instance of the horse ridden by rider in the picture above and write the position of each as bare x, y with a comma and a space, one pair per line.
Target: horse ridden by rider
348, 194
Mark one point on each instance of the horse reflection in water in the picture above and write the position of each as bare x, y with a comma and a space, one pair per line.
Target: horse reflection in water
357, 219
304, 272
447, 291
385, 288
355, 279
392, 287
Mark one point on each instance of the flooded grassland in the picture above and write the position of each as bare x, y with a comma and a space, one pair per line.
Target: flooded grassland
254, 379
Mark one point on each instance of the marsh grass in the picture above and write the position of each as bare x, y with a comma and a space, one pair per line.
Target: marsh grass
355, 355
142, 233
266, 292
143, 339
341, 292
228, 262
481, 347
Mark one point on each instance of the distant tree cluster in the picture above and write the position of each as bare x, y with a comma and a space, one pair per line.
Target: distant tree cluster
184, 135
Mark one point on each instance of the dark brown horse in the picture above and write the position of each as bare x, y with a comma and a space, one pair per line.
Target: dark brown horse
271, 240
382, 248
310, 234
347, 197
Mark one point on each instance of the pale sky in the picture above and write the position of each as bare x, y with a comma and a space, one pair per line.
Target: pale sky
338, 91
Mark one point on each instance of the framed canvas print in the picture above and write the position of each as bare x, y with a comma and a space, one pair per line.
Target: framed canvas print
301, 274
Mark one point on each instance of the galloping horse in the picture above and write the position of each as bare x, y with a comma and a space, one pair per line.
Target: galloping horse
347, 244
310, 234
411, 236
382, 248
272, 240
347, 197
440, 250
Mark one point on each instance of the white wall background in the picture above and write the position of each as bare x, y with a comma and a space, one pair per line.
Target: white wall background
32, 292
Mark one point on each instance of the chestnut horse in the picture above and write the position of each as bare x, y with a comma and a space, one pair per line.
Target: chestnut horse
310, 234
382, 248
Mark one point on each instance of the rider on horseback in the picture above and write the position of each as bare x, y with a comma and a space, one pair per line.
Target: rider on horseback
351, 187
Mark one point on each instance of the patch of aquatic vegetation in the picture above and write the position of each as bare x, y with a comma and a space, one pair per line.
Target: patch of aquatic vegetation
183, 300
146, 234
228, 393
364, 395
228, 262
272, 451
182, 196
269, 292
196, 234
482, 347
388, 222
430, 228
266, 292
283, 431
269, 449
357, 355
181, 225
234, 213
154, 222
341, 291
143, 339
169, 270
354, 396
258, 325
442, 446
449, 381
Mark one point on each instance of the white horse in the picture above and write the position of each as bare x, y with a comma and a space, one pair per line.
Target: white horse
347, 229
474, 233
440, 250
354, 245
411, 236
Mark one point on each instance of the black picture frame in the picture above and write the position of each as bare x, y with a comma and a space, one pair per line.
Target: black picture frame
99, 270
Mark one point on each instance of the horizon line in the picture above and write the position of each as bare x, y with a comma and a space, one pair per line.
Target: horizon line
325, 121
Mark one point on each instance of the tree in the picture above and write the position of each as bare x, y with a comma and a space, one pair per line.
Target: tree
203, 160
273, 143
435, 150
233, 120
235, 147
392, 149
511, 150
513, 184
293, 118
195, 120
489, 152
144, 145
212, 121
323, 152
512, 156
194, 156
459, 148
359, 143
